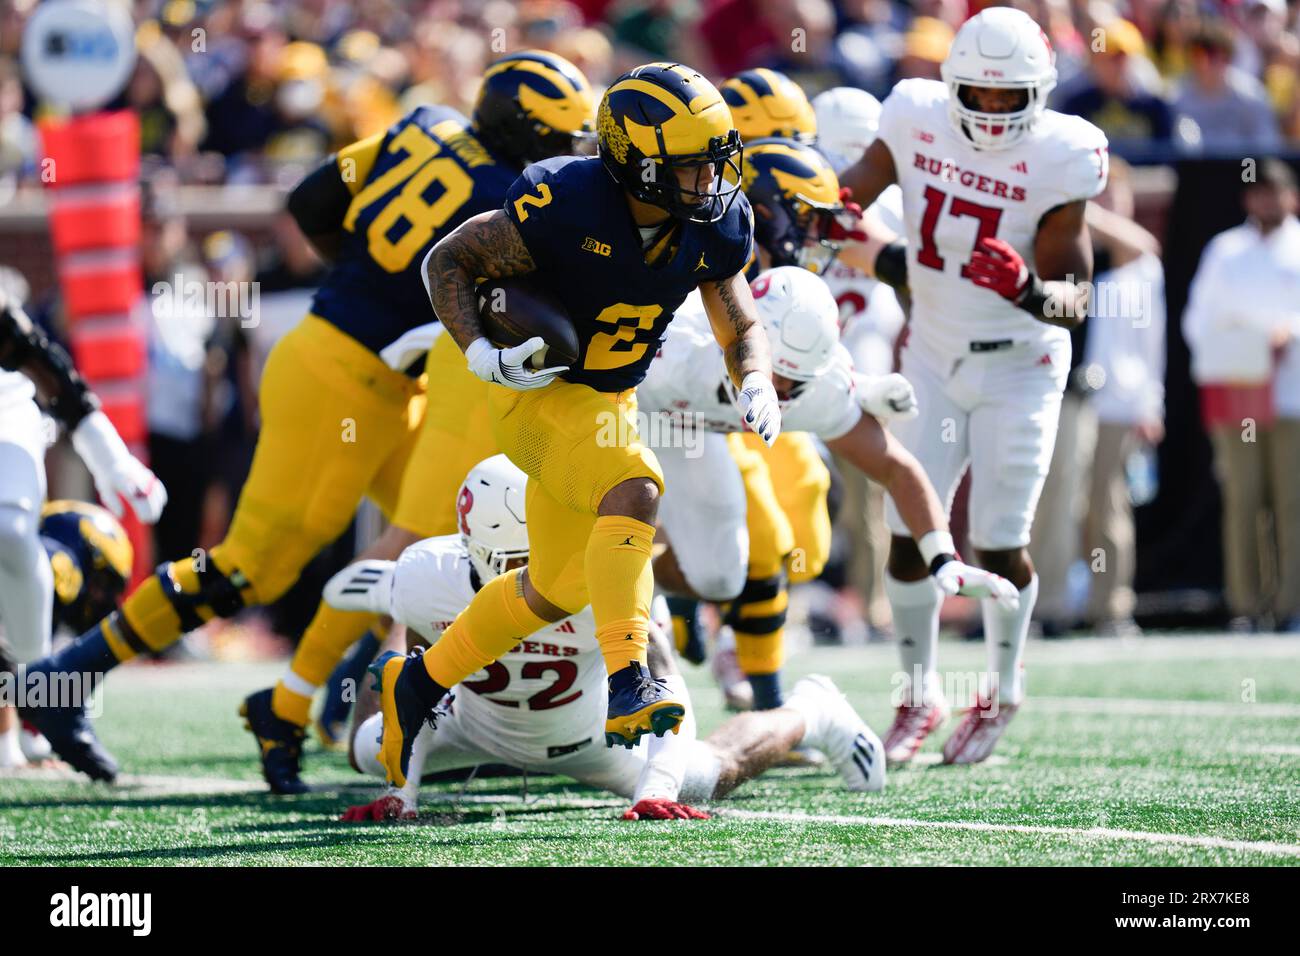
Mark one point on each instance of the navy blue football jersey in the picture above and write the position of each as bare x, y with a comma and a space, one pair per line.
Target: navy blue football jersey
428, 175
580, 233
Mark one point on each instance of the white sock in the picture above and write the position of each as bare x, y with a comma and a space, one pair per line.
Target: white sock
916, 623
1004, 637
11, 751
665, 766
811, 707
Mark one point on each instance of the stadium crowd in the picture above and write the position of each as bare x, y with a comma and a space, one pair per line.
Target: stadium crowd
250, 92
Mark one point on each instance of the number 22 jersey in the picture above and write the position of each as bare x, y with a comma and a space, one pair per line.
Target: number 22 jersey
954, 195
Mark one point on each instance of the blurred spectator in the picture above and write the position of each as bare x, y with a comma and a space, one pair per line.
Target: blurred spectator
1112, 411
1174, 27
925, 47
162, 94
1242, 323
18, 140
1229, 107
1115, 95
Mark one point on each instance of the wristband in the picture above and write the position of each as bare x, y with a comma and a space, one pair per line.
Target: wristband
891, 264
937, 549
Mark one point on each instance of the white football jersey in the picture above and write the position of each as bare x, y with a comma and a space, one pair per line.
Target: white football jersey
547, 693
954, 194
688, 378
15, 387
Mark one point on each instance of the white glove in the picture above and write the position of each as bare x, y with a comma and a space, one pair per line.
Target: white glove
953, 577
117, 473
506, 366
760, 407
886, 396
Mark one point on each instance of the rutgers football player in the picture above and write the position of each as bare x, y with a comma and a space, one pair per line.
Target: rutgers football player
994, 187
542, 705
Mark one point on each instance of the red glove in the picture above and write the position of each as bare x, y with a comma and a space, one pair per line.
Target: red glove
388, 807
848, 223
995, 265
660, 808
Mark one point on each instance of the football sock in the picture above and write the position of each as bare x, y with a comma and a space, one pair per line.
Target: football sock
496, 620
916, 622
666, 760
758, 618
687, 637
345, 680
1004, 634
767, 690
97, 651
815, 718
323, 645
26, 586
621, 584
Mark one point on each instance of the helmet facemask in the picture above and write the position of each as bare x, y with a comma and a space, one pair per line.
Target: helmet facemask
995, 131
700, 202
795, 232
491, 562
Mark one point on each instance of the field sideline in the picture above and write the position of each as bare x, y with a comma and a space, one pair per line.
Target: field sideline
1161, 751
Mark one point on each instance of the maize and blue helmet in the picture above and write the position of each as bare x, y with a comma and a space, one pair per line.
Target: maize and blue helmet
91, 557
534, 105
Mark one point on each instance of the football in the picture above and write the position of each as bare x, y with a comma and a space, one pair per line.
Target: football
514, 310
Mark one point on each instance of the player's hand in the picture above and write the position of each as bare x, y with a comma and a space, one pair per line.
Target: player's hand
954, 577
887, 396
847, 224
996, 265
507, 366
117, 473
661, 808
391, 806
760, 406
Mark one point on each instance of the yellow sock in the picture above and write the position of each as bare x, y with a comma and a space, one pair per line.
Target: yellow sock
327, 638
496, 620
758, 619
151, 615
621, 585
290, 705
113, 637
760, 653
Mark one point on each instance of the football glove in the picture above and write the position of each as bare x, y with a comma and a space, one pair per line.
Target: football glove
997, 266
391, 806
954, 577
117, 473
507, 366
760, 406
886, 396
661, 808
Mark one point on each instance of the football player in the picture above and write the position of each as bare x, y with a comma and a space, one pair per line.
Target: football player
820, 395
341, 397
996, 256
767, 103
542, 706
90, 558
619, 240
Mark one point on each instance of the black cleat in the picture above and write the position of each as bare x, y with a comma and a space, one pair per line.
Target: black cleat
71, 736
279, 743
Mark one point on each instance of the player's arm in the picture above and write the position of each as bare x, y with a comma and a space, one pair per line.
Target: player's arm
874, 248
486, 246
734, 319
1058, 293
25, 348
319, 204
871, 175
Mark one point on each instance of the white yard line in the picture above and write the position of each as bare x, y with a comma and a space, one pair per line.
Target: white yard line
1093, 833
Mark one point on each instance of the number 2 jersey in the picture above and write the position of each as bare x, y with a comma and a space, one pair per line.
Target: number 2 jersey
410, 187
542, 700
954, 194
575, 221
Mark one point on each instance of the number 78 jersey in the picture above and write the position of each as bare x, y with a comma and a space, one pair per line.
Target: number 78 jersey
954, 195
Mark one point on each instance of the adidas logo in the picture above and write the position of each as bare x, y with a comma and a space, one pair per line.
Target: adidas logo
1020, 167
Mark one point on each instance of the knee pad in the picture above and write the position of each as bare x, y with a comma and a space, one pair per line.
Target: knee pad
761, 607
199, 591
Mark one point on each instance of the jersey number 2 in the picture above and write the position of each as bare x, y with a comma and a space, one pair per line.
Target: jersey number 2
988, 216
498, 679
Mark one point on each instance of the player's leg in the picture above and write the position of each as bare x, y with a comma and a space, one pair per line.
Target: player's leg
1013, 432
757, 615
332, 413
801, 481
937, 437
26, 581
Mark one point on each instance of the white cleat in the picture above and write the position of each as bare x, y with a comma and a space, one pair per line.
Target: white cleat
978, 732
365, 585
912, 724
35, 747
845, 738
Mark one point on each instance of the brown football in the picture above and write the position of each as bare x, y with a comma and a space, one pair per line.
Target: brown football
514, 310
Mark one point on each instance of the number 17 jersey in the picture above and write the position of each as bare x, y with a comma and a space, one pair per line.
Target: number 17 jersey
954, 195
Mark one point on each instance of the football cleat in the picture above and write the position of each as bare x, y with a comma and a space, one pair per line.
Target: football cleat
279, 743
35, 747
638, 704
391, 806
845, 738
661, 808
404, 688
70, 734
737, 695
978, 732
912, 724
340, 692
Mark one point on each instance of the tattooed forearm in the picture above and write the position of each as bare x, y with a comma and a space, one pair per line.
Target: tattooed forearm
736, 326
488, 246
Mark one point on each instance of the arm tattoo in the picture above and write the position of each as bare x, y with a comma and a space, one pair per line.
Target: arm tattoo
488, 246
748, 350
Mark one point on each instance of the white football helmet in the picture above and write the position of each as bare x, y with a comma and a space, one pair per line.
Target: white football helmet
801, 319
999, 47
490, 514
847, 121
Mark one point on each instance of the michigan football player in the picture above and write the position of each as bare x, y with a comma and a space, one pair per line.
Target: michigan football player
620, 240
341, 396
